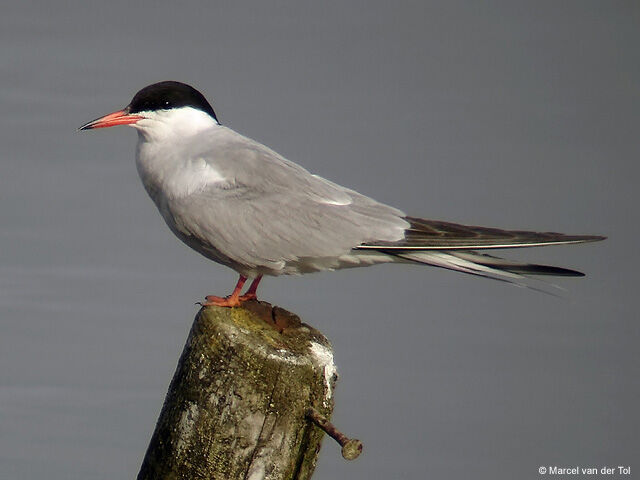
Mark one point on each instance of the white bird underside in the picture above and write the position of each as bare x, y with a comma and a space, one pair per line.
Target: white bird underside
241, 204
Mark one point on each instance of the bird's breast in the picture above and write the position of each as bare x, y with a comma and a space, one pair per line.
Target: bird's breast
172, 174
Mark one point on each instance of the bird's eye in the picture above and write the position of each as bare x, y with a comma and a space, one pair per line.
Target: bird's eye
167, 103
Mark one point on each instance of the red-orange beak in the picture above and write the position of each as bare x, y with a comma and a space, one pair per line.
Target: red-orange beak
121, 117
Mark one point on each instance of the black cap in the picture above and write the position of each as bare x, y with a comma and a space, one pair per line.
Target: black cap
168, 95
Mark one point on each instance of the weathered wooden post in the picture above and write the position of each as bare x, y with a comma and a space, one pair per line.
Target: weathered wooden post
251, 387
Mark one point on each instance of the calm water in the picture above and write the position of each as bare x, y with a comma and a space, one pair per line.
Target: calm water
511, 116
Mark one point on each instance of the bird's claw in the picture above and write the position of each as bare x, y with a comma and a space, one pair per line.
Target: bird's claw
230, 301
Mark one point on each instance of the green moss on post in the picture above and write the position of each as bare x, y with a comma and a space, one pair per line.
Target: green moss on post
236, 406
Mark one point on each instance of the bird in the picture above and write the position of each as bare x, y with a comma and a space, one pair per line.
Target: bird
241, 204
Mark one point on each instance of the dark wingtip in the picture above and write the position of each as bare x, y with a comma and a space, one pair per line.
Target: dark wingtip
565, 272
533, 269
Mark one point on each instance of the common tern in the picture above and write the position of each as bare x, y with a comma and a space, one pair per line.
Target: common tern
241, 204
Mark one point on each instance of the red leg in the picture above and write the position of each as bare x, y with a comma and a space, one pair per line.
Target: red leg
251, 293
232, 300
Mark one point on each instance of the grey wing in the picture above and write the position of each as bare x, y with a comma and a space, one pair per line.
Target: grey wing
271, 214
247, 163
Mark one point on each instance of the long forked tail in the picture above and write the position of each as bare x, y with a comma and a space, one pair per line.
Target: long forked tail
453, 246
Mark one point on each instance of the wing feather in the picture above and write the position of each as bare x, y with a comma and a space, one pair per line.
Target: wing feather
426, 234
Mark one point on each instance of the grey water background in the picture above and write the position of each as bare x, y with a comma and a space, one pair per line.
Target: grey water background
510, 114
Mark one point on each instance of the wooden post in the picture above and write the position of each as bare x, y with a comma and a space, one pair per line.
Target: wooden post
238, 404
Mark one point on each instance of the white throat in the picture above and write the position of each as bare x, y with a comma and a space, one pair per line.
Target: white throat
180, 122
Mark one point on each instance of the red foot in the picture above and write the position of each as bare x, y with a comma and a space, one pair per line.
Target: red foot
230, 301
235, 299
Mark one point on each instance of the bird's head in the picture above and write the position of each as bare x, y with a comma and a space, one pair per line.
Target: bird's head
162, 109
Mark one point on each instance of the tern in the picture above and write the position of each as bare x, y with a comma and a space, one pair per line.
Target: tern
241, 204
